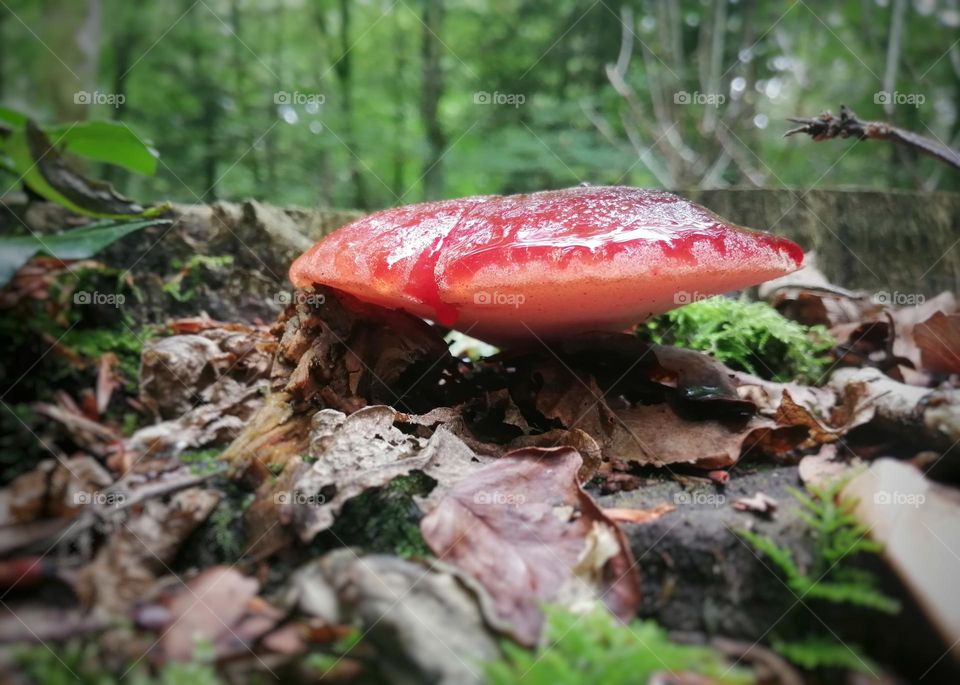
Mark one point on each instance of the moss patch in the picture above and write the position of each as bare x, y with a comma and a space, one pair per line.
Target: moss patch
749, 336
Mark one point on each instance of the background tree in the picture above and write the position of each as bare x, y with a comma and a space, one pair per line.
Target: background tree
391, 97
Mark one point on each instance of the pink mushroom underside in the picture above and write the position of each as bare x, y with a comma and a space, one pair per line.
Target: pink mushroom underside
549, 264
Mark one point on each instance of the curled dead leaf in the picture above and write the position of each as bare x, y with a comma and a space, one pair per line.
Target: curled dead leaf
526, 531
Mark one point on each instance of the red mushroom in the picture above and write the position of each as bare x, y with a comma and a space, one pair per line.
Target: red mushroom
511, 268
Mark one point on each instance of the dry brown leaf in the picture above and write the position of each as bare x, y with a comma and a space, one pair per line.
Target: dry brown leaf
819, 469
760, 503
354, 453
807, 296
526, 531
218, 607
656, 435
938, 339
53, 489
127, 565
621, 515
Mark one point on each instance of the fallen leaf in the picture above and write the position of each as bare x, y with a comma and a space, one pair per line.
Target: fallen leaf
528, 533
351, 454
817, 470
760, 503
938, 339
425, 623
52, 489
621, 515
218, 607
132, 557
915, 521
656, 435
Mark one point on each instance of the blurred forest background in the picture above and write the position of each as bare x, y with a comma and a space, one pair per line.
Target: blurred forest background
382, 102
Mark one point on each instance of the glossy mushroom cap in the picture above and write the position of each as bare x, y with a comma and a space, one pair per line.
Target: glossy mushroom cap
509, 269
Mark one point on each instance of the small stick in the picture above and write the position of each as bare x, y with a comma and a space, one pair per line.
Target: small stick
847, 125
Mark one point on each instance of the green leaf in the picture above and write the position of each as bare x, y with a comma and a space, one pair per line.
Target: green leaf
12, 118
107, 141
41, 166
77, 244
820, 652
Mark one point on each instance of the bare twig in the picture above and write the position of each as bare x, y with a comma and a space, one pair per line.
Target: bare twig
847, 125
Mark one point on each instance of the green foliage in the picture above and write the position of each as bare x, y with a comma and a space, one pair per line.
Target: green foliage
92, 343
226, 527
110, 142
207, 94
596, 648
203, 462
386, 520
35, 156
183, 286
80, 243
77, 662
838, 536
819, 652
750, 336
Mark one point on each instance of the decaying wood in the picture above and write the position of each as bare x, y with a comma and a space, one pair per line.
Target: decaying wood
928, 417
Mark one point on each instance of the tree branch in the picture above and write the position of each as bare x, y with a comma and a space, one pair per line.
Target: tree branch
847, 125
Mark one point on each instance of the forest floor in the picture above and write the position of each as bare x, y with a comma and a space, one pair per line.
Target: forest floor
210, 476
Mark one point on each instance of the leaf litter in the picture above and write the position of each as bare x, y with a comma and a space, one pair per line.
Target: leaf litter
340, 398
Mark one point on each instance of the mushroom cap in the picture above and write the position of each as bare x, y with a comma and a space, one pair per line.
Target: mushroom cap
508, 269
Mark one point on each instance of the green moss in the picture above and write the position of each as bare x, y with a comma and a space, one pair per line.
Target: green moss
202, 462
183, 286
596, 648
92, 343
749, 336
386, 520
78, 662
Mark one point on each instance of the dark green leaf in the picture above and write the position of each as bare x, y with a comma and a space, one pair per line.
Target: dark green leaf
77, 244
106, 141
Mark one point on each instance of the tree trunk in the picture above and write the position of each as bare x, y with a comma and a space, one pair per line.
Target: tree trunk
343, 68
431, 91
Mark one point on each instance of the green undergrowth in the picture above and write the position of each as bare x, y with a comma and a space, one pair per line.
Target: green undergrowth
221, 538
829, 575
596, 648
814, 653
190, 276
838, 538
81, 663
386, 520
748, 336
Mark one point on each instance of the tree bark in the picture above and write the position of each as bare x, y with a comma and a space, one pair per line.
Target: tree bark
430, 94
